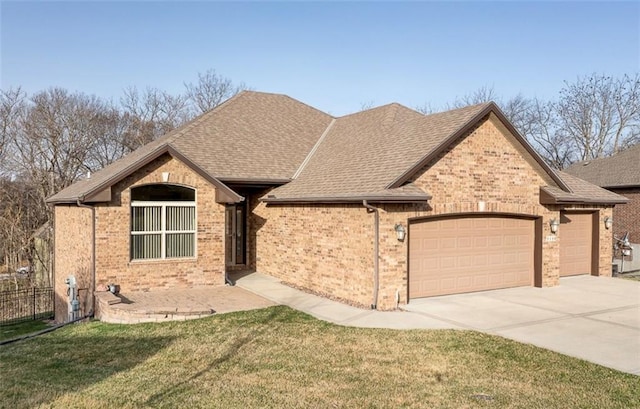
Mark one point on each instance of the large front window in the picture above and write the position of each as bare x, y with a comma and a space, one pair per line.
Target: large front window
163, 222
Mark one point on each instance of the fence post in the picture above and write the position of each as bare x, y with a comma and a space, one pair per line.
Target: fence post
34, 304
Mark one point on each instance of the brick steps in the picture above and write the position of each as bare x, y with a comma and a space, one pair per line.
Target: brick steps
110, 308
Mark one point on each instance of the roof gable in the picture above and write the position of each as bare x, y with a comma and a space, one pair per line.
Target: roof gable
252, 135
466, 119
384, 148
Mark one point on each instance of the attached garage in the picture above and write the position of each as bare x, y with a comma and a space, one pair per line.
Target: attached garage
459, 254
576, 243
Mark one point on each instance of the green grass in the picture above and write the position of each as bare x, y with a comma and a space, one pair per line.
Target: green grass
23, 328
280, 358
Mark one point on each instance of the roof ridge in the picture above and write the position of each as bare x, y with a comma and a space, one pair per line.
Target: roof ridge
289, 97
368, 110
181, 130
314, 149
466, 107
392, 113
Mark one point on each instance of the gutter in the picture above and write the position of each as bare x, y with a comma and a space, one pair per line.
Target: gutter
93, 254
349, 199
376, 253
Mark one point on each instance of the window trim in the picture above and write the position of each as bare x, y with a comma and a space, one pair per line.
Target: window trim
163, 204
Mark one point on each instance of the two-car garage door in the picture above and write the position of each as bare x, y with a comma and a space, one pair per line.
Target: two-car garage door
472, 253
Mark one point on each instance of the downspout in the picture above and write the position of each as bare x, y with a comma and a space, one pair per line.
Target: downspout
93, 255
376, 252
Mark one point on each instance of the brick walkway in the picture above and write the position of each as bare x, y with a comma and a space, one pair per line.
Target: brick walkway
175, 304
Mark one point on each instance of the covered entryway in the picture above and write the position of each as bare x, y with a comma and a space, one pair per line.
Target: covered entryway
460, 254
235, 234
576, 243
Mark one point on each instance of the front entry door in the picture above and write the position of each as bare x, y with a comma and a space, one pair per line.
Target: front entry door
235, 233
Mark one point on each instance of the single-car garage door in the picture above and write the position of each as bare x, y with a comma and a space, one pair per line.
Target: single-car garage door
576, 241
464, 254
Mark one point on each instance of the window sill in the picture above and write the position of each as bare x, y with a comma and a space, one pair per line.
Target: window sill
163, 260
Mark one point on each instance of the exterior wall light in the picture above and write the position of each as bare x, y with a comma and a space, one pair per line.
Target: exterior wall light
400, 231
553, 224
608, 222
165, 177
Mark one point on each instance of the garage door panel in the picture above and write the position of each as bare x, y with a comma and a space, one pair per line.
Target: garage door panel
575, 234
470, 254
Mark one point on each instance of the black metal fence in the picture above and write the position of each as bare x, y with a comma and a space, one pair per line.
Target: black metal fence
26, 305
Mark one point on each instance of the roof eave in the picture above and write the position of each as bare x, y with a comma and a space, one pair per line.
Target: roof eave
548, 198
254, 181
227, 193
349, 199
625, 186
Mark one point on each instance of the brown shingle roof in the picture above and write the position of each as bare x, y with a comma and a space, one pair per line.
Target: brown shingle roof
620, 170
268, 137
364, 153
581, 192
253, 135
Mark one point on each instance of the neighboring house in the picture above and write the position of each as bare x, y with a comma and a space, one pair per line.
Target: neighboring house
620, 174
264, 182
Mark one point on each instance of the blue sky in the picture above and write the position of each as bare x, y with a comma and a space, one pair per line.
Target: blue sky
332, 55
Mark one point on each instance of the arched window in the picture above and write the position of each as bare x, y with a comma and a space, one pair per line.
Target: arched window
163, 222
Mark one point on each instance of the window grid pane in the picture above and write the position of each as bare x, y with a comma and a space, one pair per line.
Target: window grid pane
181, 218
180, 245
148, 218
146, 246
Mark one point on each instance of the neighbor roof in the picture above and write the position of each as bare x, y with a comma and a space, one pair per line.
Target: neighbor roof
273, 139
619, 170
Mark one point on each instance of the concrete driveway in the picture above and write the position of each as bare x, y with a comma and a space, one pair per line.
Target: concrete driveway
592, 318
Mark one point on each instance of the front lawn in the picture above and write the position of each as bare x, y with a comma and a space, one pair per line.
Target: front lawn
281, 358
22, 328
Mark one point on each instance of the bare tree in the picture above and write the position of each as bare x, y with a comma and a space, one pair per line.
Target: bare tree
12, 111
540, 127
18, 219
600, 114
112, 135
367, 105
479, 96
150, 114
210, 90
425, 108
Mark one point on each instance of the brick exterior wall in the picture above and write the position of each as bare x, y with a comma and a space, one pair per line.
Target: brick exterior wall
113, 264
329, 249
626, 217
72, 249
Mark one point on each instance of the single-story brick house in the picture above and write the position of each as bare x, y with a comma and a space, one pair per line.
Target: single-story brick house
619, 173
374, 208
